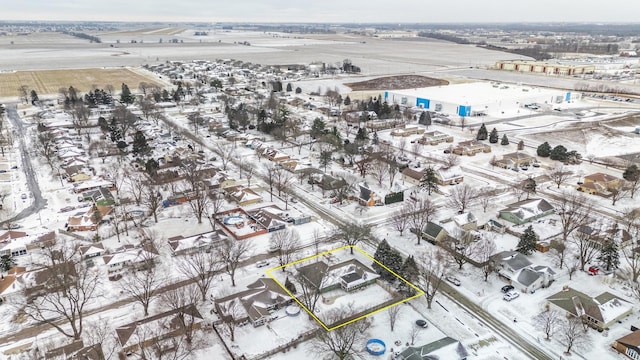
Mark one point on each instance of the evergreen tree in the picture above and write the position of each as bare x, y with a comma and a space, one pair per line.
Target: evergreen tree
544, 150
362, 134
609, 257
429, 180
388, 257
298, 90
375, 138
317, 129
425, 118
290, 286
409, 271
493, 137
125, 95
521, 145
151, 166
289, 87
558, 153
505, 140
528, 240
6, 262
632, 175
482, 133
347, 101
34, 97
140, 145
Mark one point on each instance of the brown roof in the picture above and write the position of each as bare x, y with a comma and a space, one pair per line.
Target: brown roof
6, 282
12, 235
601, 177
632, 339
408, 172
125, 332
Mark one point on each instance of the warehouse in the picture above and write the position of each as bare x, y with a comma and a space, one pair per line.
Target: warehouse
478, 98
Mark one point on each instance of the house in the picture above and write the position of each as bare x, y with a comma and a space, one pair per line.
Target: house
466, 221
14, 243
366, 196
407, 130
520, 272
87, 220
598, 233
433, 233
273, 154
100, 194
128, 256
327, 182
471, 148
525, 211
445, 348
599, 184
158, 328
76, 350
220, 180
268, 219
254, 305
11, 284
599, 312
181, 245
629, 345
449, 175
435, 137
91, 251
242, 196
515, 160
348, 275
411, 176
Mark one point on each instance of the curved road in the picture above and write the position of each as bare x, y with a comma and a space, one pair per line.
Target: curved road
32, 181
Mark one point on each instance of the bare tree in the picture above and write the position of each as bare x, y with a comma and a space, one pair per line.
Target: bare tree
378, 170
317, 239
420, 213
230, 253
451, 159
226, 152
584, 244
231, 312
618, 191
573, 210
153, 343
573, 266
461, 197
435, 265
183, 300
216, 202
393, 313
270, 177
286, 242
573, 334
401, 220
413, 334
461, 245
351, 234
143, 285
485, 248
68, 288
198, 194
102, 333
200, 267
631, 256
548, 322
151, 199
559, 175
402, 145
308, 287
283, 180
343, 342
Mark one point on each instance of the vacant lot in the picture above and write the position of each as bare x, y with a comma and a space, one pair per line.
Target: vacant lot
49, 81
396, 83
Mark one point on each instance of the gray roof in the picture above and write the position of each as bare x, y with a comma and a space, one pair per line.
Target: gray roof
513, 259
528, 276
432, 229
425, 352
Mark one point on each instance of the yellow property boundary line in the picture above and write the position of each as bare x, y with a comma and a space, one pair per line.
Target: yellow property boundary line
268, 272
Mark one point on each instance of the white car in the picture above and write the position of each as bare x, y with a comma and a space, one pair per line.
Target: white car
452, 279
262, 263
510, 296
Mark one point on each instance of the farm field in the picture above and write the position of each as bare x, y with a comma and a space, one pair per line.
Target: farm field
49, 81
148, 31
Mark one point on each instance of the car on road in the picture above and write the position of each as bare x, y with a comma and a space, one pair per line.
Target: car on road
262, 263
12, 226
505, 289
510, 296
452, 279
422, 323
23, 196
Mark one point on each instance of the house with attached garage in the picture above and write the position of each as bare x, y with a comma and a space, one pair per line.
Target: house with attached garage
599, 184
449, 175
515, 160
181, 245
445, 348
526, 211
629, 345
410, 176
520, 272
433, 233
254, 305
599, 312
348, 275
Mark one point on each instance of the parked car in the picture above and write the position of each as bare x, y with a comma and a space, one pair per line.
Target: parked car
262, 263
452, 279
23, 196
507, 288
510, 296
422, 323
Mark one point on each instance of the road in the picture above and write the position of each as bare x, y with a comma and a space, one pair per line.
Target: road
32, 181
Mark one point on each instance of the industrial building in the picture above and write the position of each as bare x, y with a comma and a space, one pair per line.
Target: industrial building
545, 67
477, 98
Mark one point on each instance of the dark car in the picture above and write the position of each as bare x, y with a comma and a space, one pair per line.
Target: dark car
507, 288
422, 323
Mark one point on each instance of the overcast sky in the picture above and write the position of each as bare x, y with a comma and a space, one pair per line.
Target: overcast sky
425, 11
